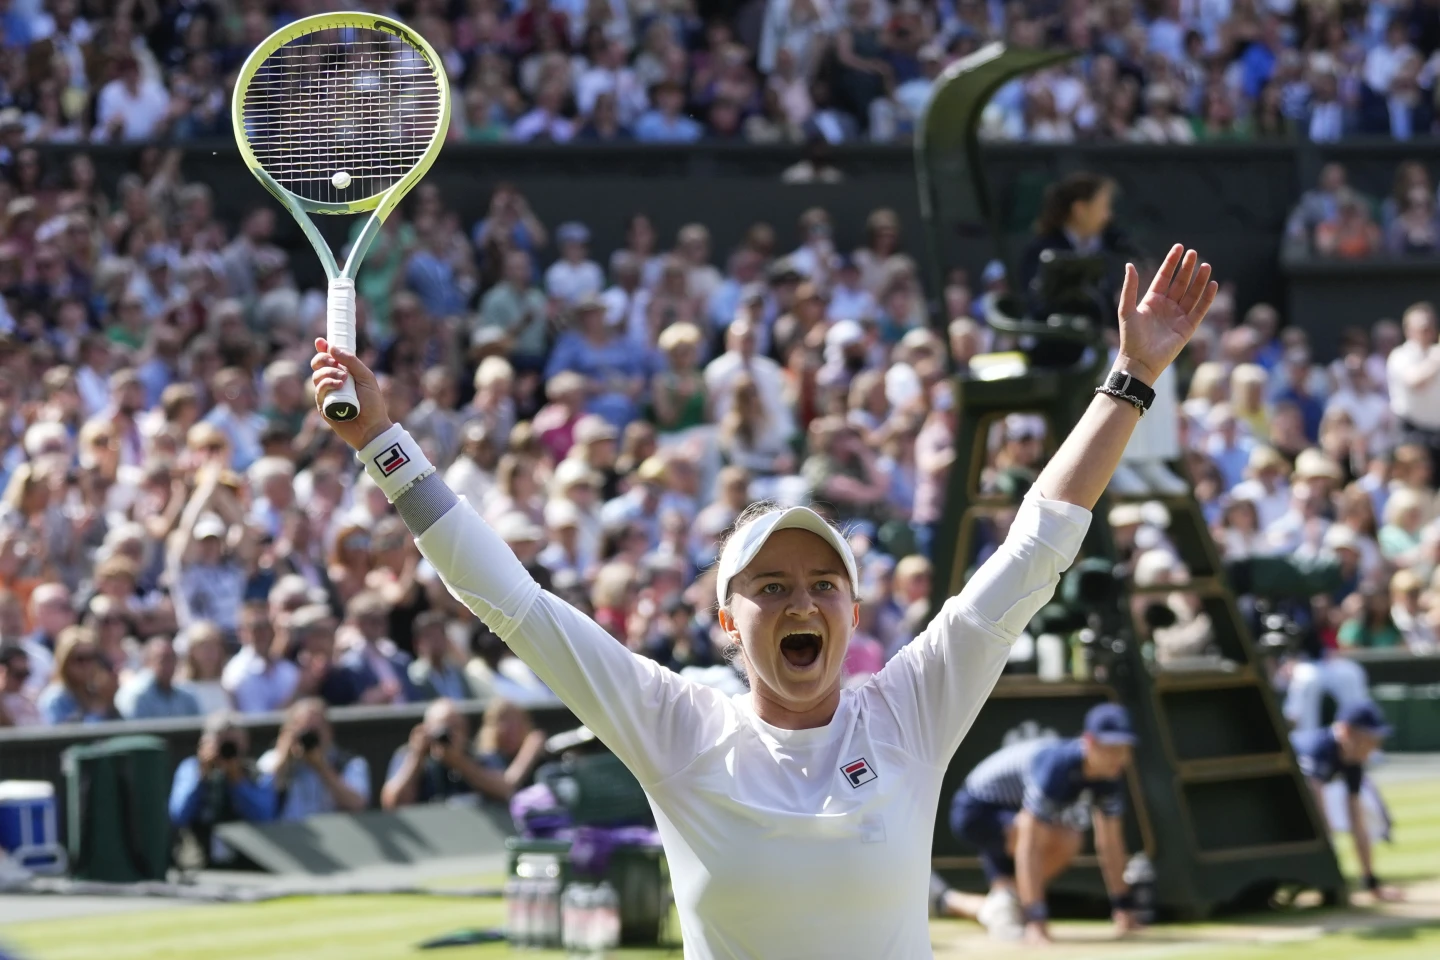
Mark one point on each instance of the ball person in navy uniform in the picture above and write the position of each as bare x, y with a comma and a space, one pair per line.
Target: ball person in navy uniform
1341, 751
1026, 808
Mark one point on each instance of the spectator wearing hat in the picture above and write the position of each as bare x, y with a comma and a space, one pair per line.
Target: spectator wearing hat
522, 312
1027, 808
151, 694
610, 363
641, 503
207, 577
678, 401
666, 122
1340, 752
574, 277
494, 401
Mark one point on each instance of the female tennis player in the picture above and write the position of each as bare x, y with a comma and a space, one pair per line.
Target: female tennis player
797, 818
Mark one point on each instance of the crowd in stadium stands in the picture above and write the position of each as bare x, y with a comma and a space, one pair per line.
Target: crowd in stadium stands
763, 71
1335, 220
180, 532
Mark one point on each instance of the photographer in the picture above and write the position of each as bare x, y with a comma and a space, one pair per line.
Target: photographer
438, 765
219, 785
308, 773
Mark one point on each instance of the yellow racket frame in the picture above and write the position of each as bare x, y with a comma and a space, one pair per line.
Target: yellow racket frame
341, 405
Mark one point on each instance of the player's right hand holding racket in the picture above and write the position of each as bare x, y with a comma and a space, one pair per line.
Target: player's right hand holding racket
332, 367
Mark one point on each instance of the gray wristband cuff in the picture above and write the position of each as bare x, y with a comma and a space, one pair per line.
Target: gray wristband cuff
425, 503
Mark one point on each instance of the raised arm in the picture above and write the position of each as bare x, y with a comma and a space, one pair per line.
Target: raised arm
1153, 330
652, 720
937, 683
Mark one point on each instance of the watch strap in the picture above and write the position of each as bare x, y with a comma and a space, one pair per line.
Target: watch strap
1123, 386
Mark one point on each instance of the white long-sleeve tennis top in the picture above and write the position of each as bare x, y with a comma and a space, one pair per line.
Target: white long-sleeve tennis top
782, 844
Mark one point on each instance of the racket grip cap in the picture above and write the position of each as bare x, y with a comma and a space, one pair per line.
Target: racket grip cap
342, 404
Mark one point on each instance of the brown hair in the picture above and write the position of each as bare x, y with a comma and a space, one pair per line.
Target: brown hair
1061, 197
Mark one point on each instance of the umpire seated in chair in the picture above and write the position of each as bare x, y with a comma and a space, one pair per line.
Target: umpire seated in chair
1027, 807
308, 772
220, 784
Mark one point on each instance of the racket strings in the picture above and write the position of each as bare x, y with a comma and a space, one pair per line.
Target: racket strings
350, 100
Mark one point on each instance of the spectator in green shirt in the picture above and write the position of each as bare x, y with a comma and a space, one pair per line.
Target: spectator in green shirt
1368, 624
521, 311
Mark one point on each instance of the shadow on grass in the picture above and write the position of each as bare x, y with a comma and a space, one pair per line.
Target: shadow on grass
1398, 932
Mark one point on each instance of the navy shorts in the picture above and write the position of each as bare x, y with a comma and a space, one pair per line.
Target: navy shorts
984, 825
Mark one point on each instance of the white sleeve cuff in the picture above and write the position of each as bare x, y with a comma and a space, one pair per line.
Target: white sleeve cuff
394, 461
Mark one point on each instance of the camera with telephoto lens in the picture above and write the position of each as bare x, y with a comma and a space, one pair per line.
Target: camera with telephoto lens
229, 750
309, 740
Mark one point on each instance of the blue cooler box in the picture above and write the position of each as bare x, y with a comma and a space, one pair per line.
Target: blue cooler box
28, 831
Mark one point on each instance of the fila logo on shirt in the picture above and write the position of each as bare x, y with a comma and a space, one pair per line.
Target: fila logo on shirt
390, 459
858, 772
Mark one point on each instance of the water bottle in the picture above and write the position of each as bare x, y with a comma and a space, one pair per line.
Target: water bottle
1140, 876
607, 917
545, 925
516, 927
571, 939
580, 927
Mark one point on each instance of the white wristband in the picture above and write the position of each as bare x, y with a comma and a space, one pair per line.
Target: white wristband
394, 461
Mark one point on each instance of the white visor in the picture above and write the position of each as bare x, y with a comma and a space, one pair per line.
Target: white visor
747, 541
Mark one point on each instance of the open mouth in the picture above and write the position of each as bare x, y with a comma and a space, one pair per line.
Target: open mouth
801, 650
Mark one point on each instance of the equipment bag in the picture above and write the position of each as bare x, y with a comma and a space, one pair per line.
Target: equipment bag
117, 794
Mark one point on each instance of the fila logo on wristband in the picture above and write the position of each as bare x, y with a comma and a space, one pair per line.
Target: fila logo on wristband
858, 772
390, 459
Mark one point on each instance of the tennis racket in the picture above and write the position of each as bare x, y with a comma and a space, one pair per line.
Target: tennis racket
341, 113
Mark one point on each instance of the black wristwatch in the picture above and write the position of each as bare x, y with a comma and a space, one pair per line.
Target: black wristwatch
1122, 386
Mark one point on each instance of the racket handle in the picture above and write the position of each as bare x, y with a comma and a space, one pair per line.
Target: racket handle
342, 404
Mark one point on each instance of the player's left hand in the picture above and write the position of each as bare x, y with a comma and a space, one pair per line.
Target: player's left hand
1153, 330
1125, 922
